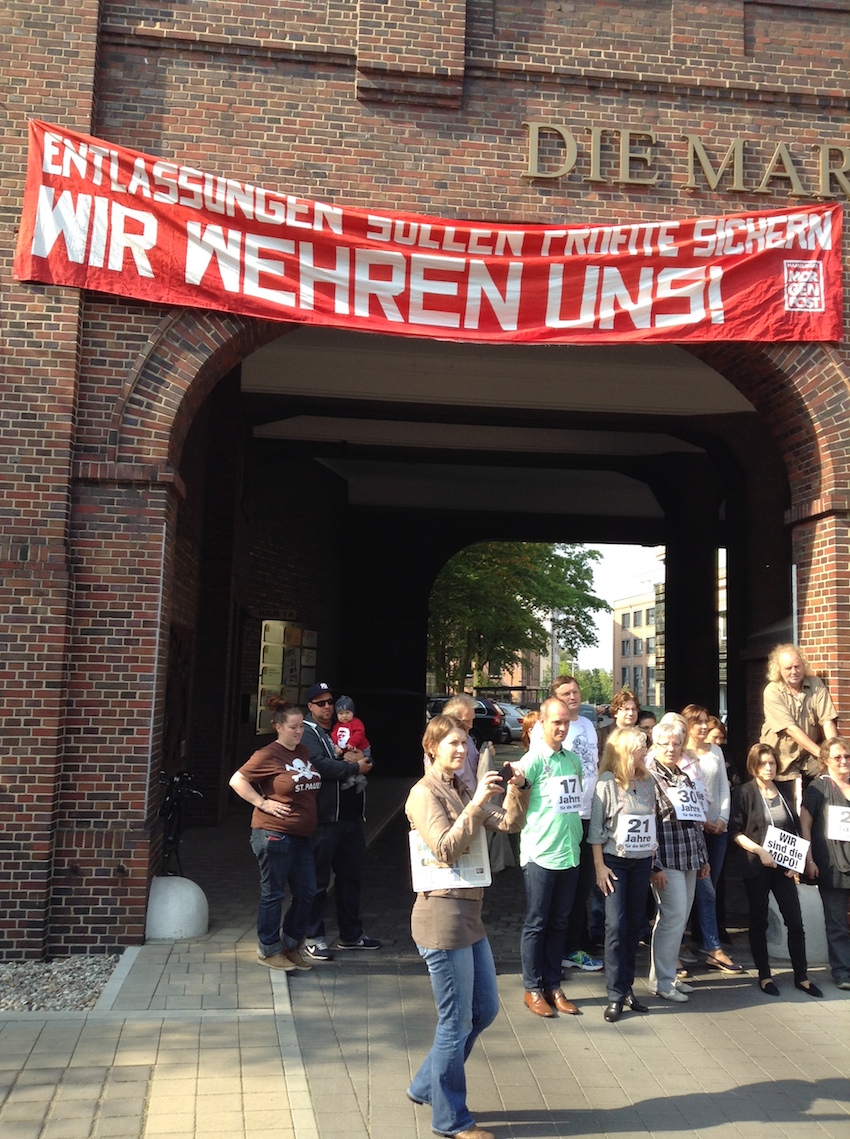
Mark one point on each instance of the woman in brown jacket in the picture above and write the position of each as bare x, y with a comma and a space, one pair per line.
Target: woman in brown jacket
446, 923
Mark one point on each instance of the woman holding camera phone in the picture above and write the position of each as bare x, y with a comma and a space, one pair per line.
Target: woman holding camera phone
446, 924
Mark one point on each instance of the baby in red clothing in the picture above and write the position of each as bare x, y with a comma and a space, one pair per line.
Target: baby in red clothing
348, 732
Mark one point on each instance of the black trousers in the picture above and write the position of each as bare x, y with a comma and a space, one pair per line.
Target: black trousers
339, 847
773, 880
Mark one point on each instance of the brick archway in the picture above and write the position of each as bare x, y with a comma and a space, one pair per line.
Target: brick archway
800, 390
170, 380
124, 518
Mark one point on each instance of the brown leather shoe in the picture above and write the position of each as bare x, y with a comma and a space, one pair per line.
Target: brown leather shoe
276, 961
474, 1132
556, 997
297, 959
536, 1002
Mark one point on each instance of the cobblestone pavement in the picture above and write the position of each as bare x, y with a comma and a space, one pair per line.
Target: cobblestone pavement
730, 1063
193, 1039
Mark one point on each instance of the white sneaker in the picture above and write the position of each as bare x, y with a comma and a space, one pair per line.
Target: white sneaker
671, 995
683, 987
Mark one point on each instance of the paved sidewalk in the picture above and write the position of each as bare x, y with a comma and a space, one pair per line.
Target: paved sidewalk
195, 1039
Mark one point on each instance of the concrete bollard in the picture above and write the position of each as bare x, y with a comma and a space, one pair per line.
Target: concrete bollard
177, 910
812, 911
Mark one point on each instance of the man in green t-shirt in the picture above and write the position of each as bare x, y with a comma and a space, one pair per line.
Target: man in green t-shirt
549, 855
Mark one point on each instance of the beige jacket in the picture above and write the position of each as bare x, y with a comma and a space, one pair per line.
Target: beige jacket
447, 820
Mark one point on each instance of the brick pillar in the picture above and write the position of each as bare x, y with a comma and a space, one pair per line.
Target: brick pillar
411, 51
821, 551
49, 74
34, 604
106, 826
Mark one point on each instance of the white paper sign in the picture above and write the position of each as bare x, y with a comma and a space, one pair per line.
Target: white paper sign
686, 802
838, 823
565, 793
786, 849
702, 795
635, 834
468, 871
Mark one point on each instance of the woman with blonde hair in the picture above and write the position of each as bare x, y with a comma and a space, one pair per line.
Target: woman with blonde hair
622, 836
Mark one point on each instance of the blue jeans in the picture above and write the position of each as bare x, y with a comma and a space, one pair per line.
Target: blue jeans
834, 901
580, 928
282, 858
548, 900
706, 892
467, 999
339, 847
625, 913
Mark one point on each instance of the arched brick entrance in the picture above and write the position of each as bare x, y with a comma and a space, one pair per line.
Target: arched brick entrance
126, 499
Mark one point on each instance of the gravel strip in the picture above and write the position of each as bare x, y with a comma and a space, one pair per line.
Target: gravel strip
68, 984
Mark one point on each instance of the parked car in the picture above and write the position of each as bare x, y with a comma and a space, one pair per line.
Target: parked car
589, 712
512, 717
487, 723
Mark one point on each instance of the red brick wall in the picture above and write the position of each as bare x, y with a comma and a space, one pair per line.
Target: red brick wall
41, 332
415, 105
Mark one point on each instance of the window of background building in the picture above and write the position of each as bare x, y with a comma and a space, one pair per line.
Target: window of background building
650, 645
637, 619
626, 648
625, 620
650, 682
626, 674
638, 682
650, 616
638, 647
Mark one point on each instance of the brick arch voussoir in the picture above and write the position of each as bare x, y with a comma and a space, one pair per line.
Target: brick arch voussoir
191, 351
801, 392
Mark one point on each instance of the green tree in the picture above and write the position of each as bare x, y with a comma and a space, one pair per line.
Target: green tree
491, 601
597, 685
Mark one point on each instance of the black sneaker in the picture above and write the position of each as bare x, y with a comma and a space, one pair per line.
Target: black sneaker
361, 943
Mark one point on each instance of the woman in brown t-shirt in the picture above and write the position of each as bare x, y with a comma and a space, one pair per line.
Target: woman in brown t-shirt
281, 785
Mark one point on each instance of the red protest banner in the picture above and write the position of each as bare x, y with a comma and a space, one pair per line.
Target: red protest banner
104, 217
